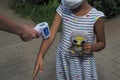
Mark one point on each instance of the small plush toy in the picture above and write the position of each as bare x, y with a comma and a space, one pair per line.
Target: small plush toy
78, 39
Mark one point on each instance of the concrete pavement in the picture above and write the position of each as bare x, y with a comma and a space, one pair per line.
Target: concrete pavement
17, 58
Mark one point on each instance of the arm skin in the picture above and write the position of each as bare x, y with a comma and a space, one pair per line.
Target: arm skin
46, 44
26, 32
9, 25
100, 36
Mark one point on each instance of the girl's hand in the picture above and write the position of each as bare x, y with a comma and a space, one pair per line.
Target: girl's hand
87, 48
38, 66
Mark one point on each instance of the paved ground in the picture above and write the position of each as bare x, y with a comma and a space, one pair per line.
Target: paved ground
17, 58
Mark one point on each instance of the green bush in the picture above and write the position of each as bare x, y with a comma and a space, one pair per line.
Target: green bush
36, 1
44, 10
38, 13
111, 8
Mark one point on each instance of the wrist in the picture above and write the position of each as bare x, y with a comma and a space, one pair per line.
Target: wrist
40, 56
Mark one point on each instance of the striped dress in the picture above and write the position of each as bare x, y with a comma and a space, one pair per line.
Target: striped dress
70, 67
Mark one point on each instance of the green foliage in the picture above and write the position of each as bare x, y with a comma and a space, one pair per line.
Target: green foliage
37, 1
38, 13
111, 8
44, 10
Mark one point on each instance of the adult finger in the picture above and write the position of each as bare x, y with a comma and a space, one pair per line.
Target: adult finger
37, 35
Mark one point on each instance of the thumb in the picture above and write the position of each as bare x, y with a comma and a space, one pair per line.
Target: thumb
41, 69
37, 35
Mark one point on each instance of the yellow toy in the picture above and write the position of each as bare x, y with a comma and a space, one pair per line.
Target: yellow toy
78, 39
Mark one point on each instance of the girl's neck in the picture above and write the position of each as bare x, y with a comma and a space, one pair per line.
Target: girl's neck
82, 9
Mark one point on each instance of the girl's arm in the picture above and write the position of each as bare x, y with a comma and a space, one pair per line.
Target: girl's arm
100, 36
46, 44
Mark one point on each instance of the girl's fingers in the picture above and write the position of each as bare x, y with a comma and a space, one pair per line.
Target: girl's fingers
41, 69
38, 66
87, 48
35, 71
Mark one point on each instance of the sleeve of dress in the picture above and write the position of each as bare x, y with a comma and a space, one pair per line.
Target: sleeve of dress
99, 15
60, 10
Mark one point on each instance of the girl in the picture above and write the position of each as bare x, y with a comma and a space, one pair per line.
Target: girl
74, 15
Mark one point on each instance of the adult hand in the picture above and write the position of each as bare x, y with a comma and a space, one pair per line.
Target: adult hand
38, 66
28, 33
